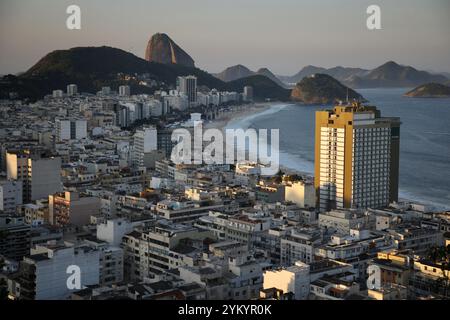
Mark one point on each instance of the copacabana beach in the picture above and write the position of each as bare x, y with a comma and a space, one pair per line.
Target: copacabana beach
424, 139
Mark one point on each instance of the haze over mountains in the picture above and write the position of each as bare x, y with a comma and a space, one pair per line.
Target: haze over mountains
340, 73
93, 67
390, 74
239, 71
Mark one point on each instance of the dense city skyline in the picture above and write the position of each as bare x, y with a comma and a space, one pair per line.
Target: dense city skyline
281, 36
124, 178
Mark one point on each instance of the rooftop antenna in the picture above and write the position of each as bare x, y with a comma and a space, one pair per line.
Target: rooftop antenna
347, 95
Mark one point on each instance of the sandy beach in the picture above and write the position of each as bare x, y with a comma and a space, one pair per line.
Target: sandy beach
238, 112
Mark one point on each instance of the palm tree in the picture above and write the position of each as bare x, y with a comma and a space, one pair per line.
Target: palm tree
440, 256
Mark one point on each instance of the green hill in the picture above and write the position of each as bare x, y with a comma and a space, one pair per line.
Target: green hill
322, 89
91, 68
430, 90
392, 74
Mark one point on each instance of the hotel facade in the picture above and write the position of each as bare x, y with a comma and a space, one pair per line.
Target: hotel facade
356, 158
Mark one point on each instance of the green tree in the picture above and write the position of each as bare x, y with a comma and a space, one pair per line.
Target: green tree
440, 256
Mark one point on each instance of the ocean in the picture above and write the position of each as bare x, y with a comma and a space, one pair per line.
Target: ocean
424, 140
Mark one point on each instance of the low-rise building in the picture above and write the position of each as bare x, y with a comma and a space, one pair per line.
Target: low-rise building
297, 279
10, 195
44, 275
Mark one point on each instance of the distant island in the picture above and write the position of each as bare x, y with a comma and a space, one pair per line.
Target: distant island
322, 89
430, 90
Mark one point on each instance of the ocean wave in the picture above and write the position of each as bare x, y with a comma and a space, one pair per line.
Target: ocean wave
297, 163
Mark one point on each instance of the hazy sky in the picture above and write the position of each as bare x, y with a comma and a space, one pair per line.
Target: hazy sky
283, 35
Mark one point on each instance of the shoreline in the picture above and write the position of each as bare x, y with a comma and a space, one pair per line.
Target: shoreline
245, 112
238, 113
254, 110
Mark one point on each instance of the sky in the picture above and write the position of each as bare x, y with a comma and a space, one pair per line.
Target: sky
282, 35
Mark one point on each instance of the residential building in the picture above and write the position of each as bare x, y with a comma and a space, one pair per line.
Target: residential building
185, 211
418, 240
113, 230
299, 278
430, 278
301, 193
299, 245
39, 173
72, 89
154, 250
10, 195
14, 237
124, 91
70, 129
71, 208
145, 143
248, 94
111, 262
44, 274
342, 221
188, 86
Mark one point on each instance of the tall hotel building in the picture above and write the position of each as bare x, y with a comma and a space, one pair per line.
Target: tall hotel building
356, 158
188, 86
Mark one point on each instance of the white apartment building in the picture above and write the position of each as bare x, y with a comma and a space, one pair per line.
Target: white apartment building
150, 252
153, 108
111, 262
297, 279
342, 221
124, 91
113, 230
72, 89
299, 245
301, 193
49, 266
68, 129
58, 93
188, 86
145, 141
356, 248
175, 101
294, 279
10, 195
183, 211
39, 173
248, 93
246, 278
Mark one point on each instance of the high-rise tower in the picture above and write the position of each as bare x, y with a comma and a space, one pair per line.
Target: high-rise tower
188, 86
356, 157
